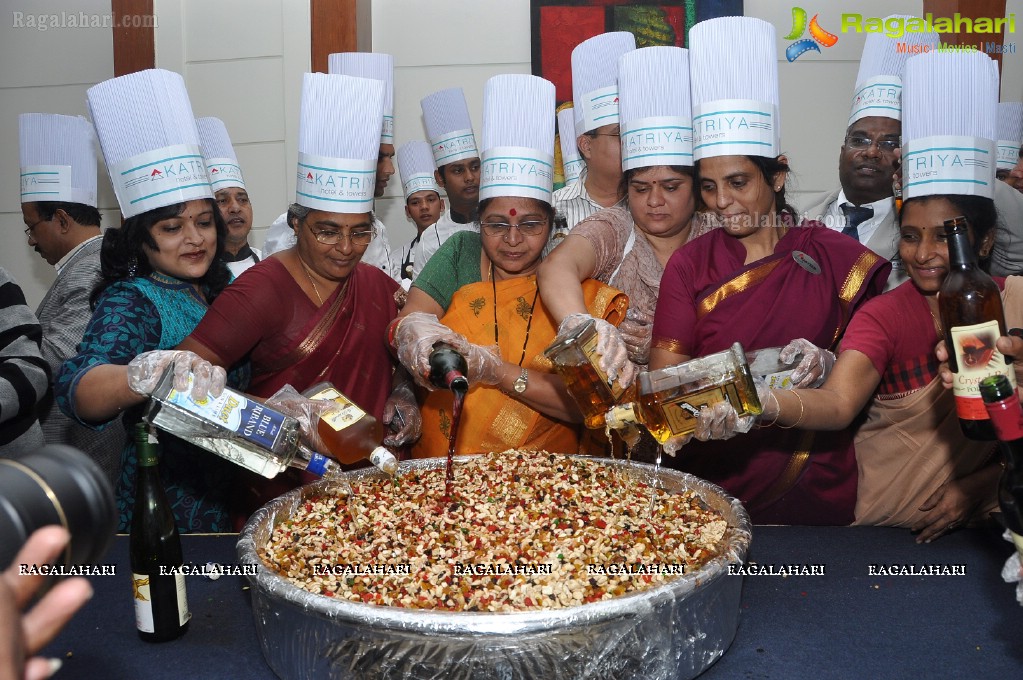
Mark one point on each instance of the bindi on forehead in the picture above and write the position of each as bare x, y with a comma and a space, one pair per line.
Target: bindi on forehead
513, 212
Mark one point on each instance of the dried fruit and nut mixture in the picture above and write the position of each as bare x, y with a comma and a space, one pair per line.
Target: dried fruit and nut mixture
524, 530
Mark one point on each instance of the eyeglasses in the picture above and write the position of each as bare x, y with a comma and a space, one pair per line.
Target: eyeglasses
29, 228
884, 144
329, 237
530, 228
594, 133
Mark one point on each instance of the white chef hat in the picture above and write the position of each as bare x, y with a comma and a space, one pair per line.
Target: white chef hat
57, 156
415, 165
655, 107
448, 126
733, 66
518, 138
878, 90
949, 124
339, 142
149, 140
1010, 134
374, 65
571, 161
221, 160
595, 77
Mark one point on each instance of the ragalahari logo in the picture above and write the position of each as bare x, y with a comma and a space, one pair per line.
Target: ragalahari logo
817, 36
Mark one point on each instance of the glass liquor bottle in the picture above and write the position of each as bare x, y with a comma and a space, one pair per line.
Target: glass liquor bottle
1003, 407
971, 314
154, 546
576, 360
235, 427
348, 432
448, 368
670, 399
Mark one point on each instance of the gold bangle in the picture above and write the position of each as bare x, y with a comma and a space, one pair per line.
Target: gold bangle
776, 415
801, 412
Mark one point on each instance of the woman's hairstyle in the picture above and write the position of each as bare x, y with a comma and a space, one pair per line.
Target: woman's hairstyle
547, 209
122, 256
769, 167
979, 211
298, 212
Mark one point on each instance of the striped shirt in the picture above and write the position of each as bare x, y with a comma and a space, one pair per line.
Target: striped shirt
24, 374
575, 204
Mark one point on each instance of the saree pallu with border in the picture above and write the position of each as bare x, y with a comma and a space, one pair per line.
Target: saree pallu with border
492, 420
809, 288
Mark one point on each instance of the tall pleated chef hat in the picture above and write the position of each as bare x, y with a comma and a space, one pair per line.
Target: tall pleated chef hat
733, 66
878, 90
376, 66
595, 77
655, 107
57, 155
415, 165
149, 140
518, 138
339, 142
949, 124
221, 160
571, 161
448, 126
1010, 134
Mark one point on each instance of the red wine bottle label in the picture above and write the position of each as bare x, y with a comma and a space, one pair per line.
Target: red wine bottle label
977, 358
1007, 418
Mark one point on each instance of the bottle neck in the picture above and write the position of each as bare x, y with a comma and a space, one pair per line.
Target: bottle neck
961, 256
621, 416
147, 447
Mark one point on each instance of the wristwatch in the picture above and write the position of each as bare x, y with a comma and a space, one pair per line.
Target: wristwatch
521, 382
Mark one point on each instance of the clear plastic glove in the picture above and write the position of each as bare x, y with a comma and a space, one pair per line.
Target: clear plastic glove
720, 421
636, 332
673, 444
1012, 572
614, 355
306, 411
414, 340
813, 368
146, 370
484, 363
401, 415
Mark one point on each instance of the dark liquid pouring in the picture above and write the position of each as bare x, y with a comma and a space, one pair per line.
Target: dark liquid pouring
456, 416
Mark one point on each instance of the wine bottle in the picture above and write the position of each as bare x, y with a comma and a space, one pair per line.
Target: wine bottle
161, 606
235, 427
670, 399
348, 432
1003, 407
448, 368
971, 314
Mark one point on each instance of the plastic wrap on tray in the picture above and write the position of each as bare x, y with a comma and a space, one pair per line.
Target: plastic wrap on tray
674, 630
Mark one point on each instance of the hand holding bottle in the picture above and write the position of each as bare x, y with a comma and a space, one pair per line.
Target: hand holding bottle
636, 331
145, 371
614, 355
813, 368
414, 338
721, 421
402, 410
306, 411
1008, 345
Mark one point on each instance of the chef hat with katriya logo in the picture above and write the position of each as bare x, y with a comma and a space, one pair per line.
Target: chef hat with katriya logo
571, 161
518, 138
1010, 134
57, 156
655, 107
733, 65
221, 160
415, 165
448, 126
949, 124
595, 78
376, 66
338, 142
149, 140
878, 90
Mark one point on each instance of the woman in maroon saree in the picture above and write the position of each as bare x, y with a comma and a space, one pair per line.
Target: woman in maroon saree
763, 281
311, 314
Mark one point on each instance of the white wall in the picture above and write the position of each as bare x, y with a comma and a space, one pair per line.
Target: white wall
243, 61
44, 71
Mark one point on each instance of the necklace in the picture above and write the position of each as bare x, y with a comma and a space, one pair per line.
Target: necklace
311, 282
529, 322
937, 324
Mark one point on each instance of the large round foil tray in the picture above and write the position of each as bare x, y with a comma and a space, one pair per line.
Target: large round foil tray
675, 630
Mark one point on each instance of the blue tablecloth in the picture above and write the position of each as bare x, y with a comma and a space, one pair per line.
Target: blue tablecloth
846, 623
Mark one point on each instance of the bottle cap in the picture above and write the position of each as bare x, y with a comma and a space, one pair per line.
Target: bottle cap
995, 388
384, 460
